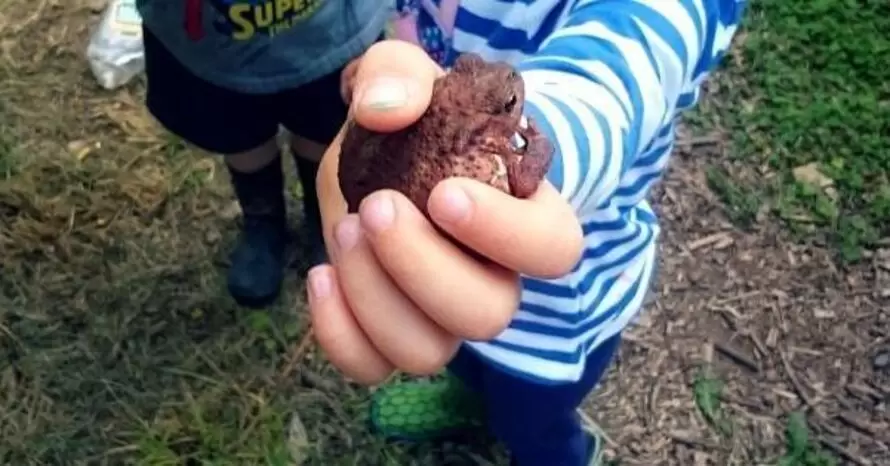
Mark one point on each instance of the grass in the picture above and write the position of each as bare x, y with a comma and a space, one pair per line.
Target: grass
707, 390
801, 450
808, 87
119, 346
118, 342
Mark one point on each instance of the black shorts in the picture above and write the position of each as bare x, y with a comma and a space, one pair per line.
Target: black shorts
227, 122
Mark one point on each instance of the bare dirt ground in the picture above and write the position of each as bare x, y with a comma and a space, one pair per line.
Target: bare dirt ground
120, 346
778, 325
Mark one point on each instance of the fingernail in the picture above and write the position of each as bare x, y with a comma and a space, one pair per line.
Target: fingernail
379, 213
384, 94
348, 233
319, 283
454, 207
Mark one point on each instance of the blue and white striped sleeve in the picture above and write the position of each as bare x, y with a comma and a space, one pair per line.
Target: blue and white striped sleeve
613, 75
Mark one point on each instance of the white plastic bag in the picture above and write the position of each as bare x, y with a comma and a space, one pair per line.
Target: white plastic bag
115, 50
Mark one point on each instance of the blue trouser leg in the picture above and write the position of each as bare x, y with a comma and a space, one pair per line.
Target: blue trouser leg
468, 367
537, 422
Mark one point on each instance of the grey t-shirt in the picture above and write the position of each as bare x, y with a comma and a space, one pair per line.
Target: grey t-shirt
264, 46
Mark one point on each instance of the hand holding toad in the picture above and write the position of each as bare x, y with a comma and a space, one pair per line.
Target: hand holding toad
432, 215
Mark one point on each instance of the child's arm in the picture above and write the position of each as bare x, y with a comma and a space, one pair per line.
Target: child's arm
613, 76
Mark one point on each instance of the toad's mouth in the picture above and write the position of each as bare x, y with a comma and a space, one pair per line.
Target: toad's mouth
519, 142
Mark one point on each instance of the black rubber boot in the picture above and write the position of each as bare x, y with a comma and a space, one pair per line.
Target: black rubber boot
258, 260
314, 252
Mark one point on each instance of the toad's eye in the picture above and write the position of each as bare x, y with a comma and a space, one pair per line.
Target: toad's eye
511, 103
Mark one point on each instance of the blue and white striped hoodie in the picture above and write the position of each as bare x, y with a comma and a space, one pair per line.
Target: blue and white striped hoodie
605, 80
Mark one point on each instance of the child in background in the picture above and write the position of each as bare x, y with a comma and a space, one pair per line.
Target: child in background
605, 80
224, 74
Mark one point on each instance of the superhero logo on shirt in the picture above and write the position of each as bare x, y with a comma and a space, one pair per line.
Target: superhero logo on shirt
243, 19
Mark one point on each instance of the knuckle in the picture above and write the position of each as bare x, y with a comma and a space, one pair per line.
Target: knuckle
488, 329
493, 322
429, 364
430, 360
374, 378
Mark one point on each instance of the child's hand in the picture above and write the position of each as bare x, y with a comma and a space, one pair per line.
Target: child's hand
399, 296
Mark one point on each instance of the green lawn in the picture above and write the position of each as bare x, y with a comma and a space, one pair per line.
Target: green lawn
809, 89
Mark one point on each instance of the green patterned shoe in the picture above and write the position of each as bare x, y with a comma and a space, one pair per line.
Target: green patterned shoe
418, 411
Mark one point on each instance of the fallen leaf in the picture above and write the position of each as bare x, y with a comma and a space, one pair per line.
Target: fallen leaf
80, 149
297, 440
811, 174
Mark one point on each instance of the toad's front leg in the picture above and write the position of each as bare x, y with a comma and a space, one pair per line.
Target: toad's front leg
526, 172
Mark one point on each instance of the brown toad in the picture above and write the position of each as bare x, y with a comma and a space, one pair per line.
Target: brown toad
474, 128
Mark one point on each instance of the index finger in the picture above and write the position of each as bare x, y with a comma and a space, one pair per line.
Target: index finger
539, 236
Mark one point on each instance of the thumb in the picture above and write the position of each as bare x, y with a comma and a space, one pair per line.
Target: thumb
393, 85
